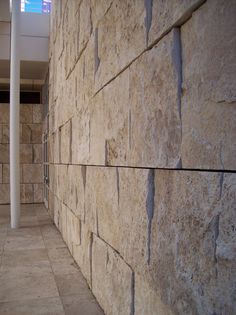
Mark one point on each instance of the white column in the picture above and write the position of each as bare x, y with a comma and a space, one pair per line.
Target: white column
14, 115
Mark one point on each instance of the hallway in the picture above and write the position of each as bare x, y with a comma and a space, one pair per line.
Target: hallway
37, 274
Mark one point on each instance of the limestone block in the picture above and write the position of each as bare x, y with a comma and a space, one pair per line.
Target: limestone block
82, 252
37, 153
155, 124
117, 209
209, 93
80, 137
4, 113
85, 25
36, 133
112, 279
120, 39
63, 224
147, 300
56, 211
26, 153
27, 193
56, 146
189, 225
4, 193
65, 143
73, 230
97, 145
161, 16
51, 200
101, 195
6, 173
98, 11
5, 134
25, 134
50, 148
32, 173
116, 109
4, 153
38, 193
226, 241
37, 113
26, 113
0, 133
61, 178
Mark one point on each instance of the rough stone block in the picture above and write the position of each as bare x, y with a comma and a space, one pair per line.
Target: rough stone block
120, 39
209, 90
32, 173
4, 113
73, 230
26, 114
147, 300
4, 193
36, 133
27, 193
161, 16
117, 209
112, 279
26, 153
6, 173
37, 113
37, 153
116, 114
155, 122
26, 133
82, 252
4, 153
191, 240
65, 143
80, 137
38, 193
5, 134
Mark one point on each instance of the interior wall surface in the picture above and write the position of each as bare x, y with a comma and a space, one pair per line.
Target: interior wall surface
31, 167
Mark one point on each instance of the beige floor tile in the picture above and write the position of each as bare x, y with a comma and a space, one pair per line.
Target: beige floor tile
71, 284
16, 286
27, 257
81, 305
47, 306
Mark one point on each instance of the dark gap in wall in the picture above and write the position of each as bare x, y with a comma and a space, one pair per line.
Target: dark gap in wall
155, 168
26, 97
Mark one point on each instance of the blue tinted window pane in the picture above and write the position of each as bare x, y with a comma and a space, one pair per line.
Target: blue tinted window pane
37, 6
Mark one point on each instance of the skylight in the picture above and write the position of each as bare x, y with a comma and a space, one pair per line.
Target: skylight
36, 6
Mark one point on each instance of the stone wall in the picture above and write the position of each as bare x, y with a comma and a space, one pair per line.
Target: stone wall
142, 146
31, 175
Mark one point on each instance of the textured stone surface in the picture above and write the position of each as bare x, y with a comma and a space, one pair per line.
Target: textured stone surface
4, 113
4, 193
82, 253
37, 113
121, 38
111, 279
209, 96
38, 193
161, 16
147, 300
37, 153
26, 153
186, 241
4, 153
26, 113
65, 143
27, 193
32, 173
155, 126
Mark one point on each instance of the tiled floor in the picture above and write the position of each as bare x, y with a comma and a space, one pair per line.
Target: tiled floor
38, 276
